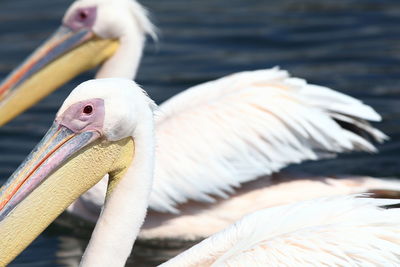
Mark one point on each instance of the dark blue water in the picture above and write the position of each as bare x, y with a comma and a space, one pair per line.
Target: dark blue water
352, 46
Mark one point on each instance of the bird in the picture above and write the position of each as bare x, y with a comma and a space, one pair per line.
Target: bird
107, 126
254, 124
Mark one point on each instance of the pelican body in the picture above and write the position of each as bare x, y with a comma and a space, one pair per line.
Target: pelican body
106, 127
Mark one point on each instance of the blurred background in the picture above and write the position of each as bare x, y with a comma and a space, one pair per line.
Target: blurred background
348, 45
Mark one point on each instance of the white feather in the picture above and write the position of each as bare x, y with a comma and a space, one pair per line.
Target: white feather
197, 220
217, 135
345, 231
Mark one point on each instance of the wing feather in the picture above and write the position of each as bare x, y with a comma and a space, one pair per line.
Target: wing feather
335, 231
217, 135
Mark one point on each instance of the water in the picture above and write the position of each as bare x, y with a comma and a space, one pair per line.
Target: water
352, 46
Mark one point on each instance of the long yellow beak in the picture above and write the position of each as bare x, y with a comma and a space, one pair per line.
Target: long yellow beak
62, 57
63, 166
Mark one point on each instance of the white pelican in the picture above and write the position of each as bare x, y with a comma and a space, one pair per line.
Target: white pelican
106, 127
222, 133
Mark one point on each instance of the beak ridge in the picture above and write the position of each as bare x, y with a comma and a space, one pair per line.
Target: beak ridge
62, 57
56, 147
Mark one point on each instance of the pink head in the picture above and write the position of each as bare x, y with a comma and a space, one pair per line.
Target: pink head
84, 116
108, 19
83, 17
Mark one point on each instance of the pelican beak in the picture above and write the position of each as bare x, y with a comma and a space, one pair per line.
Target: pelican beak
62, 57
63, 166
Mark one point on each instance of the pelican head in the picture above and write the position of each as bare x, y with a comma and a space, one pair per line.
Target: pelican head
92, 33
93, 135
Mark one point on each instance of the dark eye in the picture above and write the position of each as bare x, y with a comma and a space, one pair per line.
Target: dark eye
83, 15
88, 109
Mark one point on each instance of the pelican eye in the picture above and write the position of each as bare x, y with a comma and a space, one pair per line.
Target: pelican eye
88, 109
83, 15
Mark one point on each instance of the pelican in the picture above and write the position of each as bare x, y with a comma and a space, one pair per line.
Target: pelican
106, 127
222, 133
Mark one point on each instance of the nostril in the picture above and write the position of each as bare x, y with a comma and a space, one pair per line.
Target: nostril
88, 109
